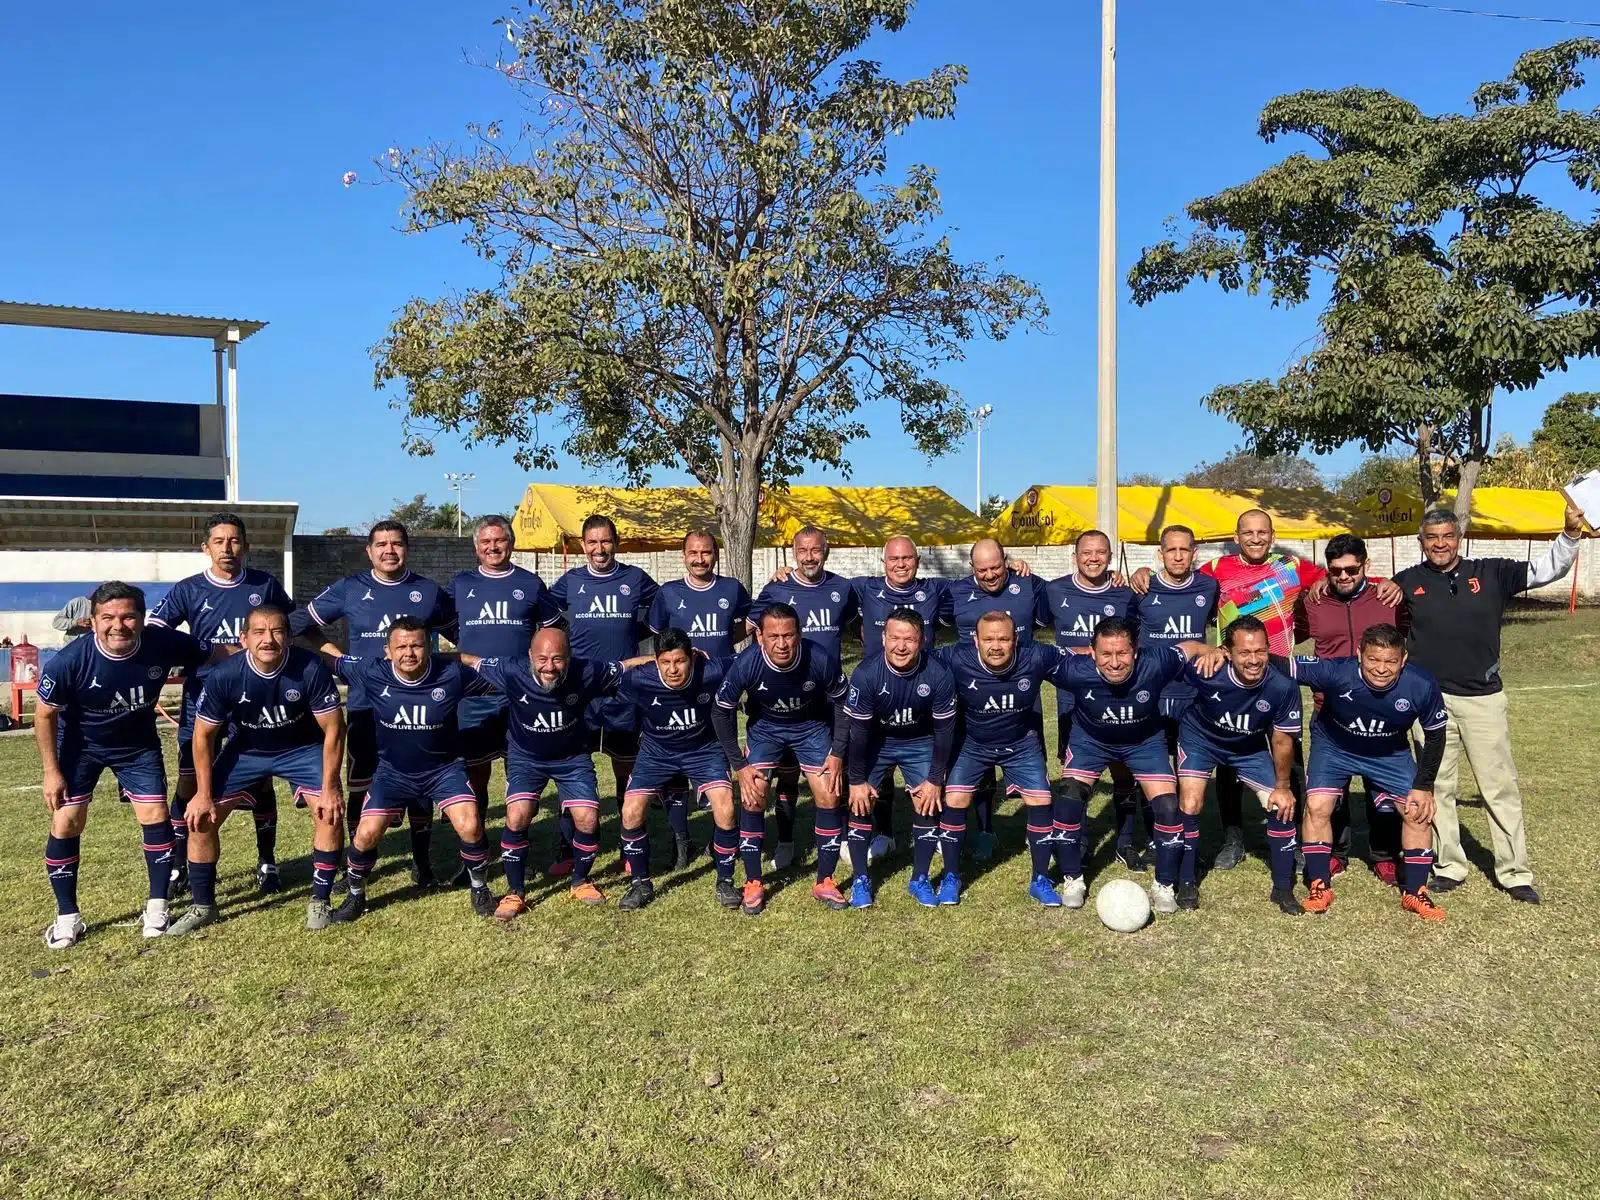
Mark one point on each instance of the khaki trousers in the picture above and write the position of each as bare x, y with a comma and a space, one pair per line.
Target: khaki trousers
1478, 728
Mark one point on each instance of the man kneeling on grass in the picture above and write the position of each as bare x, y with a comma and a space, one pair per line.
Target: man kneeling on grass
282, 708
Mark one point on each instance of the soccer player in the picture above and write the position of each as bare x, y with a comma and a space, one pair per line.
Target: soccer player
279, 709
370, 602
1078, 603
1334, 627
712, 609
794, 692
1116, 717
826, 604
1369, 704
549, 694
413, 698
213, 604
1247, 717
96, 712
994, 586
902, 709
675, 694
605, 604
997, 675
498, 608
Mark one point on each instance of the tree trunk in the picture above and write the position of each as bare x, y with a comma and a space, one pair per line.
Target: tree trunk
1427, 486
1477, 450
738, 513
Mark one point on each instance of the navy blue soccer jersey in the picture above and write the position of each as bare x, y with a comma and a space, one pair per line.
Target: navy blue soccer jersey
1358, 718
1170, 613
368, 606
876, 598
1237, 715
605, 614
1127, 712
416, 719
497, 613
824, 607
110, 702
997, 708
674, 719
548, 726
1022, 596
215, 610
806, 690
904, 704
707, 614
269, 713
1076, 608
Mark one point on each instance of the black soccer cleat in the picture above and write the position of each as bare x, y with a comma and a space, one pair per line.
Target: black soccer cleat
483, 902
1232, 852
640, 892
1131, 857
1189, 896
423, 879
728, 896
354, 905
1286, 901
178, 882
1439, 885
1523, 893
684, 855
267, 881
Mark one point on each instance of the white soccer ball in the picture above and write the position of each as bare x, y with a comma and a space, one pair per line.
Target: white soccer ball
1122, 905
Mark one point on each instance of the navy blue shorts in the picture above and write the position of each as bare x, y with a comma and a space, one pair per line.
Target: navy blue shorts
361, 747
1387, 777
1023, 764
1199, 755
235, 773
807, 743
614, 726
576, 785
140, 772
391, 793
658, 766
1088, 757
914, 757
481, 721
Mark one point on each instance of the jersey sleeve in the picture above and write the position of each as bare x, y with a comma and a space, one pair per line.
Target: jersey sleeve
1286, 715
741, 602
834, 673
546, 610
657, 617
327, 608
55, 681
1173, 664
474, 684
858, 700
1512, 576
173, 610
1043, 616
606, 678
1432, 713
1316, 673
1309, 572
443, 617
1060, 663
492, 671
944, 694
733, 683
558, 595
349, 669
210, 707
320, 687
945, 612
182, 650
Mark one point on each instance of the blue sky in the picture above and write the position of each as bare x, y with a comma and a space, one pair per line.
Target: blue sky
187, 158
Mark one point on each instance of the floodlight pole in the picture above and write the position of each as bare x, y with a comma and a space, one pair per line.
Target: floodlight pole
980, 418
1105, 478
228, 401
458, 480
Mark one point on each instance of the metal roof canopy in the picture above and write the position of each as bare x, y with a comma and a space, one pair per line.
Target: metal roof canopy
49, 523
224, 333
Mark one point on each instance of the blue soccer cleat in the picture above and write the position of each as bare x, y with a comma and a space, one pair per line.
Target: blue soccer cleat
861, 892
950, 888
1042, 890
922, 892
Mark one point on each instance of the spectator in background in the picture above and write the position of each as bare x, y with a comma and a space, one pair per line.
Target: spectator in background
1457, 605
73, 620
1351, 606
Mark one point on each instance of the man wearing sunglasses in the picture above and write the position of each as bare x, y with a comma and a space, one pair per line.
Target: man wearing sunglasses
1351, 605
1457, 605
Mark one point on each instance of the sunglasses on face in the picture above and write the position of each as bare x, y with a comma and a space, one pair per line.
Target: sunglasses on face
1345, 572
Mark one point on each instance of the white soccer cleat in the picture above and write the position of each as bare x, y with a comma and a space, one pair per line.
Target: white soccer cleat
63, 933
881, 846
783, 856
1163, 898
156, 919
1074, 891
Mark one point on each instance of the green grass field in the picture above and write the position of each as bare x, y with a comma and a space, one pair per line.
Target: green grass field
991, 1050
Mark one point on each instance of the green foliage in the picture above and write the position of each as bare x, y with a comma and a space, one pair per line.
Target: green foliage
993, 505
1442, 276
1240, 469
1141, 479
701, 262
418, 515
1377, 471
1570, 432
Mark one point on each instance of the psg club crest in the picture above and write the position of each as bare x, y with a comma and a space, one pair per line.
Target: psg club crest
416, 597
572, 700
1199, 601
919, 596
703, 698
723, 602
156, 673
1143, 697
255, 597
1263, 706
625, 590
1402, 705
1110, 610
1015, 589
811, 685
1024, 684
438, 693
834, 596
292, 695
923, 689
516, 593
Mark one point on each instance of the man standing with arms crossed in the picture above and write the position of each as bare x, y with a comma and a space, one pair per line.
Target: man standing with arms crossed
1457, 605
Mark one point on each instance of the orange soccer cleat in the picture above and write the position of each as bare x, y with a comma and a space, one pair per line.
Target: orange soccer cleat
1321, 898
828, 893
754, 900
588, 893
1422, 904
511, 907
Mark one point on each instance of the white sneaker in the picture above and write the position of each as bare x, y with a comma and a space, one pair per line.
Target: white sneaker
881, 846
156, 918
1163, 898
1074, 891
783, 856
63, 933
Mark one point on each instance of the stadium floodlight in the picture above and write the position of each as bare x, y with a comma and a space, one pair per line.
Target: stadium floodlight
980, 417
458, 481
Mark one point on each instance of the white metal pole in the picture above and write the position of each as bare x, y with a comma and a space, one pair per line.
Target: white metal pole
1106, 462
978, 507
233, 414
222, 417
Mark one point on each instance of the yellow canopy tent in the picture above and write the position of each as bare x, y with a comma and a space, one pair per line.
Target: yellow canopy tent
869, 516
1055, 516
1497, 512
551, 516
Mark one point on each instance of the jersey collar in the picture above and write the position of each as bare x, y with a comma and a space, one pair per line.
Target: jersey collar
1167, 580
791, 667
1091, 589
689, 583
378, 579
506, 574
223, 583
419, 681
915, 667
616, 566
104, 653
259, 672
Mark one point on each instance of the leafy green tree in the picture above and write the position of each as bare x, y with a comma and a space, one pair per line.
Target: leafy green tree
419, 515
993, 505
701, 263
1377, 471
1140, 479
1240, 469
1569, 434
1443, 277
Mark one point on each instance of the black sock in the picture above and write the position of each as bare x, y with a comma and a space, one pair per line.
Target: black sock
724, 844
678, 815
61, 866
265, 813
158, 856
828, 831
180, 833
1191, 842
585, 849
1168, 839
858, 839
203, 883
475, 858
1230, 798
421, 842
569, 833
636, 851
358, 863
783, 810
1041, 836
514, 859
925, 839
752, 830
1126, 809
324, 863
883, 811
1281, 844
952, 832
1067, 812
